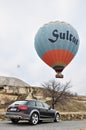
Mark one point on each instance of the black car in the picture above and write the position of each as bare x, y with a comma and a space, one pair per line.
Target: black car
32, 110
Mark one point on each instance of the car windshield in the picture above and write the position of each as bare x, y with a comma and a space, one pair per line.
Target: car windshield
19, 103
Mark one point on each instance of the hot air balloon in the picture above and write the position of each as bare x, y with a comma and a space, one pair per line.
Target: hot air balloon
56, 44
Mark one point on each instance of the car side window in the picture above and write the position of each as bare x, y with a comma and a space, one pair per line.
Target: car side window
31, 103
39, 104
46, 106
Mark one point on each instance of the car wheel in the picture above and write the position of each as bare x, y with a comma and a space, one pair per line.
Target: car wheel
34, 119
57, 118
14, 121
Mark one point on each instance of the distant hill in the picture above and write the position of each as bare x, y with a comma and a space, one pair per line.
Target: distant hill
11, 81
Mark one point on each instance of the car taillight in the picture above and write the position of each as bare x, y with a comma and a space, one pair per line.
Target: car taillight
22, 107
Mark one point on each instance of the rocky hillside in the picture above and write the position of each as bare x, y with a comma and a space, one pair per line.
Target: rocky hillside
12, 89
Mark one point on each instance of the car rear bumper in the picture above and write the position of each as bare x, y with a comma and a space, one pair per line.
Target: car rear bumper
20, 116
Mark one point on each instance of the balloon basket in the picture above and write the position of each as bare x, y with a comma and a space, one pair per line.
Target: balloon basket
59, 75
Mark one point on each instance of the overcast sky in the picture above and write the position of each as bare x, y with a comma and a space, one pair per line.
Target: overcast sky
19, 23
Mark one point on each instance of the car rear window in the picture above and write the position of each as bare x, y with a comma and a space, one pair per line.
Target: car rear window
31, 103
19, 103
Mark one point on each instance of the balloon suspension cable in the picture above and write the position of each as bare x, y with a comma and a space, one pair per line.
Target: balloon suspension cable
59, 75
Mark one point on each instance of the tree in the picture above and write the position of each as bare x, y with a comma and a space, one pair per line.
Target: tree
57, 92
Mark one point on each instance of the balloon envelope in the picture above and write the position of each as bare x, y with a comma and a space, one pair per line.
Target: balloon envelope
56, 44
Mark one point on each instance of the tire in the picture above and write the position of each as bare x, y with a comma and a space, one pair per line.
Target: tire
57, 117
34, 119
14, 121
